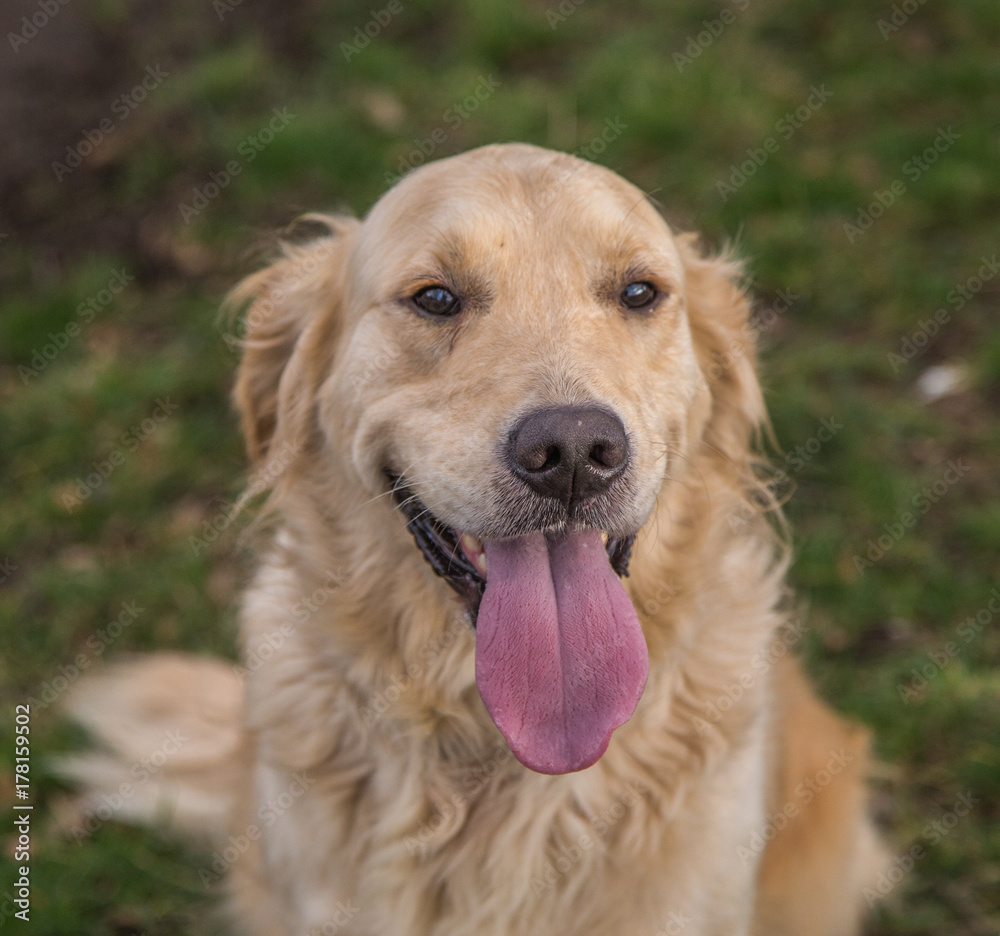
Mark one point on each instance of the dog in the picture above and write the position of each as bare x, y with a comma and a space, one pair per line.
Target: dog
517, 658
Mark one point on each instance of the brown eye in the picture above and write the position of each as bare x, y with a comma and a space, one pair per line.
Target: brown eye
638, 295
436, 300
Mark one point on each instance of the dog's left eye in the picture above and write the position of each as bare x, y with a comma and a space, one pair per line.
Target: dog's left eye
436, 300
638, 295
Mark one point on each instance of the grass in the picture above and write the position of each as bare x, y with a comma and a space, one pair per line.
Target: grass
76, 545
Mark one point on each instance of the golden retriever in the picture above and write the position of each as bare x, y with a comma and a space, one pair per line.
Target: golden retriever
516, 659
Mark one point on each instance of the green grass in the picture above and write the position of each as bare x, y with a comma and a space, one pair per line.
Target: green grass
73, 559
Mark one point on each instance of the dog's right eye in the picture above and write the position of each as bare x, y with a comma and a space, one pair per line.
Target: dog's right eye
436, 300
638, 295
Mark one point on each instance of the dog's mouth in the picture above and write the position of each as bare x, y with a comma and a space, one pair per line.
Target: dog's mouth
460, 559
561, 660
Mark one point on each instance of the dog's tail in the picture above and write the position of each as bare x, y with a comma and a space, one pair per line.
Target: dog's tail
171, 745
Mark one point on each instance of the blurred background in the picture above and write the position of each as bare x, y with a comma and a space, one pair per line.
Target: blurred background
148, 151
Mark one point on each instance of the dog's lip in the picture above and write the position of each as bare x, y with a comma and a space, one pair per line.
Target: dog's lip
459, 557
440, 545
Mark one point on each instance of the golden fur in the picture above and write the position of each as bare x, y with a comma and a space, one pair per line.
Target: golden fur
410, 815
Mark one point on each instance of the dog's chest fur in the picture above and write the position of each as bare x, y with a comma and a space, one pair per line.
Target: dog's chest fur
409, 814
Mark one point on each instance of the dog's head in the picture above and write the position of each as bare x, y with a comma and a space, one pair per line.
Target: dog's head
516, 347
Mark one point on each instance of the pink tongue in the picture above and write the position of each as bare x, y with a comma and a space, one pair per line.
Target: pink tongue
560, 657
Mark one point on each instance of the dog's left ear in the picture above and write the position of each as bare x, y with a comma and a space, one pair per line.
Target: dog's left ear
724, 341
292, 320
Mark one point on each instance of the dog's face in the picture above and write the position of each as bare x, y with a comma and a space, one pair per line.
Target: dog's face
514, 359
533, 367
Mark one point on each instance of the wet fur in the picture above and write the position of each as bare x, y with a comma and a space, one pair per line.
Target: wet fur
415, 818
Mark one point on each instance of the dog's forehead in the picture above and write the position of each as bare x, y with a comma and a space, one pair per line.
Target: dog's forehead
510, 194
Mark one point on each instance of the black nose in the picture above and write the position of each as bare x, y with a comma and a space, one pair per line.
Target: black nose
569, 453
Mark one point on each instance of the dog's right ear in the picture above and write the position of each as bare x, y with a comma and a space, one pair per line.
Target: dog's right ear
292, 319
